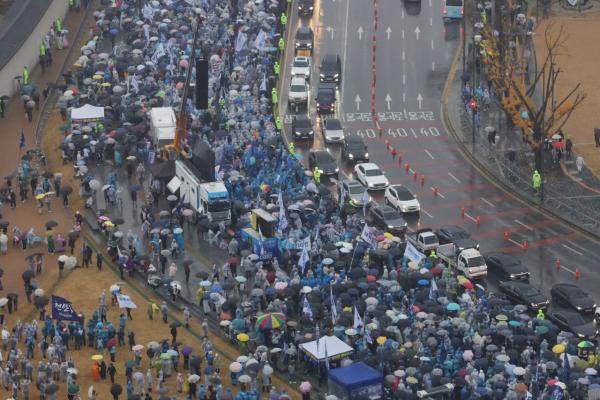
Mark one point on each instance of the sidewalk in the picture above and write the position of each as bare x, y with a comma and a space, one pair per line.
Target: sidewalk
563, 197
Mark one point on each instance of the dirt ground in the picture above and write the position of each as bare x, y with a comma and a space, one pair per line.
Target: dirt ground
579, 63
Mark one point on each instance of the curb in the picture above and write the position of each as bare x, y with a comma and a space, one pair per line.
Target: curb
482, 169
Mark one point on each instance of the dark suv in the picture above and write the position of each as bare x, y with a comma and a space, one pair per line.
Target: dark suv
354, 150
306, 7
302, 128
326, 98
304, 39
331, 69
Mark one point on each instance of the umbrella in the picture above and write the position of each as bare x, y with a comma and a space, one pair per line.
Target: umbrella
235, 367
51, 224
38, 292
245, 379
97, 357
270, 321
305, 387
138, 347
116, 389
51, 388
65, 190
452, 307
175, 324
193, 378
41, 301
3, 301
243, 337
73, 371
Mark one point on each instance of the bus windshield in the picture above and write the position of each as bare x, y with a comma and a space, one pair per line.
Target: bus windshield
454, 3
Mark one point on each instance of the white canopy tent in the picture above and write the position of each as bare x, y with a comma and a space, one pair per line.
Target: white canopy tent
335, 348
87, 113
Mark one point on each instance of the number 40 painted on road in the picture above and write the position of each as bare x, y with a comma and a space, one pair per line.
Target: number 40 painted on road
405, 132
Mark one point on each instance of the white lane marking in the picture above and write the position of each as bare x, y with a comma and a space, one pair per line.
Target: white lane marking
404, 97
403, 55
515, 242
487, 202
345, 42
572, 243
429, 154
471, 218
523, 225
426, 213
451, 175
565, 268
433, 65
430, 18
438, 193
572, 249
429, 3
402, 14
403, 77
432, 43
402, 33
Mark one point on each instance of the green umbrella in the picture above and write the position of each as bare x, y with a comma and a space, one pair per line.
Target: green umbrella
165, 356
585, 344
541, 330
130, 364
73, 389
160, 93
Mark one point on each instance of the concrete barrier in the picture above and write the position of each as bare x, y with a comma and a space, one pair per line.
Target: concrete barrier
21, 33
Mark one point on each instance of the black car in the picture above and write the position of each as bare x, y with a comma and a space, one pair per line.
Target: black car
302, 128
571, 321
326, 98
331, 69
323, 160
304, 38
306, 7
526, 294
355, 150
457, 235
507, 266
387, 218
572, 296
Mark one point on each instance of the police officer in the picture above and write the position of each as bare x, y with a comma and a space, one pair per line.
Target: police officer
317, 175
279, 124
274, 98
291, 148
540, 315
536, 180
281, 44
276, 67
25, 76
283, 20
43, 57
58, 25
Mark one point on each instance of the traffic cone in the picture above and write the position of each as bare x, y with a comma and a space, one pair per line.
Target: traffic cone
414, 175
435, 191
462, 212
577, 274
525, 245
557, 263
400, 160
505, 235
478, 221
422, 181
407, 166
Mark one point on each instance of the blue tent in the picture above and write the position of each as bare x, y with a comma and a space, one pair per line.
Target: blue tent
356, 381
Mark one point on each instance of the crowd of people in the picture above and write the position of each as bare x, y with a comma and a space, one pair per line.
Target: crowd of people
321, 272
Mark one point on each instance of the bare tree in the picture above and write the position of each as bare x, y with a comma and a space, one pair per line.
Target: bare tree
506, 66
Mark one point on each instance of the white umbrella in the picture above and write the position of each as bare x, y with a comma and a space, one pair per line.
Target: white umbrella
245, 379
72, 371
242, 359
519, 371
38, 292
94, 184
63, 258
267, 370
71, 262
193, 378
235, 367
3, 301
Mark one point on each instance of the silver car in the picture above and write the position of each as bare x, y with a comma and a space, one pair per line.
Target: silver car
354, 192
333, 132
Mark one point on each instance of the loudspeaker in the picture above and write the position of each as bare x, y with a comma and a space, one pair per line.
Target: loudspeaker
201, 84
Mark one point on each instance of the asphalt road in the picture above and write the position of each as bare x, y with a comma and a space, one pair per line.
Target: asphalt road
412, 67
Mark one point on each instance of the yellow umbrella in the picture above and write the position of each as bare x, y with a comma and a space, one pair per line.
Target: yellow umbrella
108, 224
388, 235
558, 348
97, 357
381, 340
462, 280
39, 196
413, 265
347, 309
97, 77
242, 337
105, 84
412, 380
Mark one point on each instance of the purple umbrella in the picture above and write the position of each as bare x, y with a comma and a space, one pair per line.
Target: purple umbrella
186, 351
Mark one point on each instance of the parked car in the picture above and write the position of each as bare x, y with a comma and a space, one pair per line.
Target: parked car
371, 176
507, 266
388, 219
572, 296
402, 199
525, 293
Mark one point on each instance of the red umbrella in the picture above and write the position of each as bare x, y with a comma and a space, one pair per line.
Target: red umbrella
225, 316
111, 342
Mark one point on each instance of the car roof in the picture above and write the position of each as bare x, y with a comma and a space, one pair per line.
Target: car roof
354, 140
569, 287
351, 182
298, 80
304, 29
401, 188
301, 117
369, 165
302, 58
453, 228
332, 121
330, 58
518, 284
505, 258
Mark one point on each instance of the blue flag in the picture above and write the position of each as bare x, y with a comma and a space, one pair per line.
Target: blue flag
22, 140
62, 309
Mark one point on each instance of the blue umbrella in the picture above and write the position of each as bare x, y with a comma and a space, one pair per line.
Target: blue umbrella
423, 282
452, 307
216, 289
514, 324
